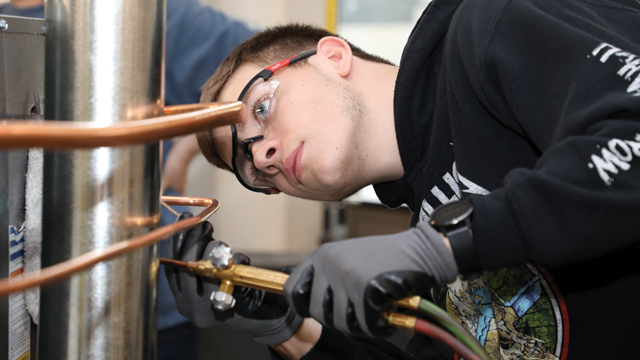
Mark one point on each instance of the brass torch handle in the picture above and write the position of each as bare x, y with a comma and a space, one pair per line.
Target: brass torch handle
241, 275
261, 279
256, 278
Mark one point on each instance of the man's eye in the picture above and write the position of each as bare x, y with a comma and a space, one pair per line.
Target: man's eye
262, 110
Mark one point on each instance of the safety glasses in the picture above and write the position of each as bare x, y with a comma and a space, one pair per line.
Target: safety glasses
259, 99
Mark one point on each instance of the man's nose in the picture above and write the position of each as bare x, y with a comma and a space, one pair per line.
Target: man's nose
265, 156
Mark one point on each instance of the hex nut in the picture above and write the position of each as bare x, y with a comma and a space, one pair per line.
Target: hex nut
218, 253
222, 301
220, 256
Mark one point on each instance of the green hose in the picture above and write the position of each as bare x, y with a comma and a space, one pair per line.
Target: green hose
446, 321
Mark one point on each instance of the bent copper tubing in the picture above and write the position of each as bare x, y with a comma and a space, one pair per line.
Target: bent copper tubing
181, 109
179, 120
67, 268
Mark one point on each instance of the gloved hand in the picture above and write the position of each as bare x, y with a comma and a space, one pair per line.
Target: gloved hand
264, 315
348, 284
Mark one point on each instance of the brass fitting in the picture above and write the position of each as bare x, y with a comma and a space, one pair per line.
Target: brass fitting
223, 299
412, 302
240, 275
400, 321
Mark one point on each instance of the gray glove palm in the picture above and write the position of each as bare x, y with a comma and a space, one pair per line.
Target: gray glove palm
264, 315
348, 284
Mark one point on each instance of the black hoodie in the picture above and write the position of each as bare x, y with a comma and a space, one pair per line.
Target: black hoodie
531, 110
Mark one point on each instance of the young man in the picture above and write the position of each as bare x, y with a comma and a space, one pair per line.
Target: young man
523, 116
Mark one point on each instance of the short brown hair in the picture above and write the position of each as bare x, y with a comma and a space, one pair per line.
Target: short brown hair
263, 49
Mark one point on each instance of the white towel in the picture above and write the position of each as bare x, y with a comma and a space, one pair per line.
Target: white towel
33, 227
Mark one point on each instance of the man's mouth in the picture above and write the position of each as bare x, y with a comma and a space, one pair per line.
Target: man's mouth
293, 164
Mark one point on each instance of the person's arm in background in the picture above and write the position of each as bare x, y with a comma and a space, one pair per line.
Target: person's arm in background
174, 175
198, 38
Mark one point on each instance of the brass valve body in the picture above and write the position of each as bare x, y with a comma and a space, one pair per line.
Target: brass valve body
241, 275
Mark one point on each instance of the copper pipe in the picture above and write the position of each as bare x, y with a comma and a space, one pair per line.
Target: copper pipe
178, 263
180, 120
181, 109
170, 209
142, 221
65, 269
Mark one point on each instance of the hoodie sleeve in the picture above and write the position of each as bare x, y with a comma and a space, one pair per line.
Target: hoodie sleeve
565, 76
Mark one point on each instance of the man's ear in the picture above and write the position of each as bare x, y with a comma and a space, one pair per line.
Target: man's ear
336, 53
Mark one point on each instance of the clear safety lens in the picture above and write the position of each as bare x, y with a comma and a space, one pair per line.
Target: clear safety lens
249, 173
260, 105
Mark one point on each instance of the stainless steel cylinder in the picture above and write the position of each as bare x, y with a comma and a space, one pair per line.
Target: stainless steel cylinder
104, 62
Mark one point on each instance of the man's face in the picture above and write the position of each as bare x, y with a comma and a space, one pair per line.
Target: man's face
310, 149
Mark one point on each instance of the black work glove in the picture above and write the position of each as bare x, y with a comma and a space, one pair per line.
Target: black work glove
348, 284
264, 315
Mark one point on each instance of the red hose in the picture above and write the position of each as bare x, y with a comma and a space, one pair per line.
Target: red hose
439, 334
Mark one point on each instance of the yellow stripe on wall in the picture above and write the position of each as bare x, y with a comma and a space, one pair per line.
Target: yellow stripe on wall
332, 15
